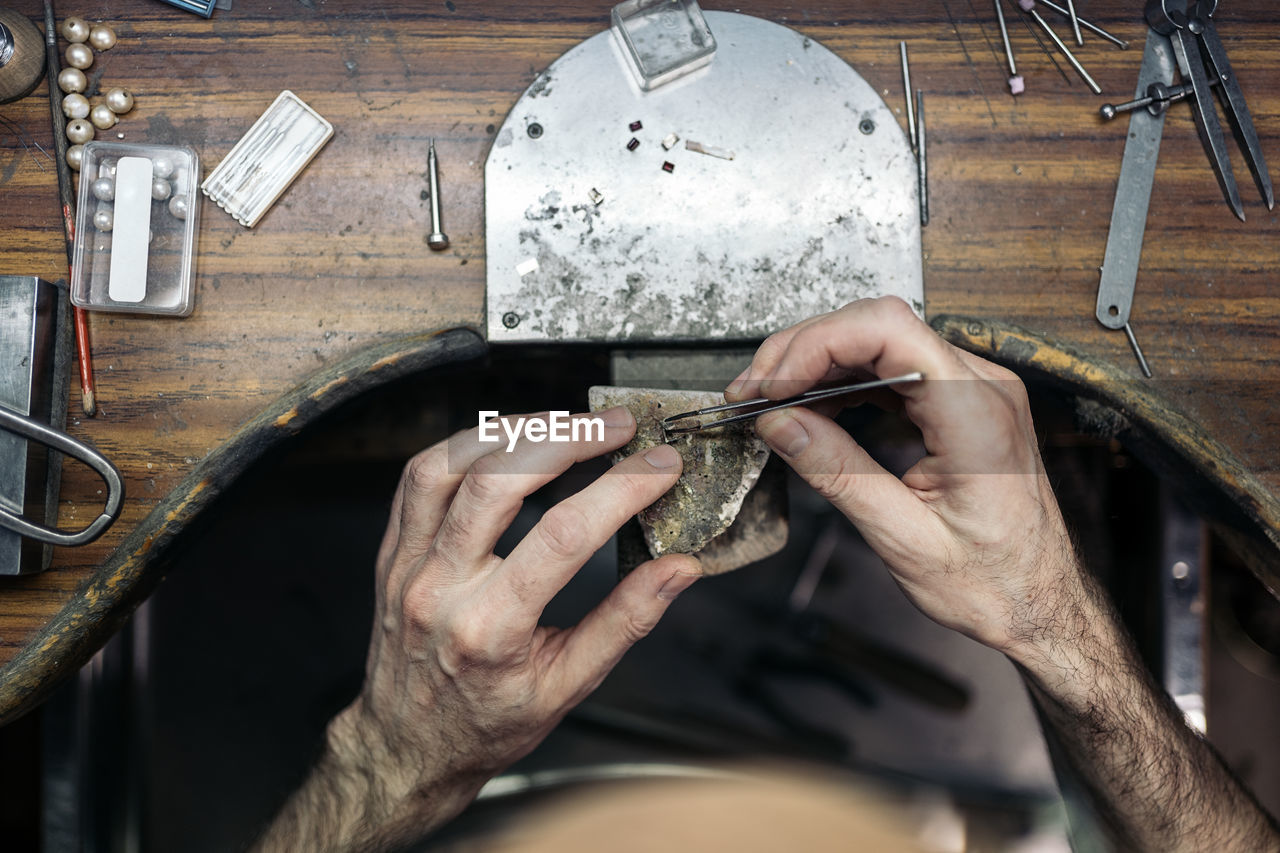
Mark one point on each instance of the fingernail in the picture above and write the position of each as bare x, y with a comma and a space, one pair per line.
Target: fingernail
618, 416
783, 433
739, 383
662, 456
677, 584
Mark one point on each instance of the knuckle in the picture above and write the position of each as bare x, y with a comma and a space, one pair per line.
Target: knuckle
420, 604
564, 529
485, 482
833, 478
465, 642
424, 473
635, 627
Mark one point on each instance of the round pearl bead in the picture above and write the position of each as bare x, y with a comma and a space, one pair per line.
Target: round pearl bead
178, 206
102, 37
162, 167
75, 155
75, 105
160, 189
102, 117
72, 80
79, 55
119, 101
104, 189
75, 30
103, 220
79, 131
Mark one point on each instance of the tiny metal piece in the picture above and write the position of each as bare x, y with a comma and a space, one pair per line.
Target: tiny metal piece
633, 144
596, 196
698, 147
635, 125
764, 404
668, 166
511, 319
906, 88
437, 240
922, 163
669, 141
1137, 350
534, 130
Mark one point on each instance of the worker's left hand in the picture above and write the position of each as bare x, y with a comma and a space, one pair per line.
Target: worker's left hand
461, 678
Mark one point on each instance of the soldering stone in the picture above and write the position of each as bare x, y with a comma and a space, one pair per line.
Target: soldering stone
721, 467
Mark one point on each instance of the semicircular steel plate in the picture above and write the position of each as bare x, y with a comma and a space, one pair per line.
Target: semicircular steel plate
590, 241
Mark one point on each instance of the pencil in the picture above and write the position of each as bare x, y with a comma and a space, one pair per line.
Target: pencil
80, 317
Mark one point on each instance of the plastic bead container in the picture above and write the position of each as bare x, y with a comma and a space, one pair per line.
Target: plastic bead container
137, 217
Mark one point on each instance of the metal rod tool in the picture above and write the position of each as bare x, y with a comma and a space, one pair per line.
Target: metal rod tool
1096, 30
1029, 6
906, 87
1016, 84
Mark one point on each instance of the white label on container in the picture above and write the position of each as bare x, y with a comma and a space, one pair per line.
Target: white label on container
131, 232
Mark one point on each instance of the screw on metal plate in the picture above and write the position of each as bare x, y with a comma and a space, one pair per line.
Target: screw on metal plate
511, 319
867, 126
534, 130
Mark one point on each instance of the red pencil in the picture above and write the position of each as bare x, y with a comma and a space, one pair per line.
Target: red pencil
80, 317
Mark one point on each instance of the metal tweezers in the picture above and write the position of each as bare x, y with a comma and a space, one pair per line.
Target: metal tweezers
763, 404
1189, 26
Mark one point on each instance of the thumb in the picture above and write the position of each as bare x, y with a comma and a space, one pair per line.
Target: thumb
837, 467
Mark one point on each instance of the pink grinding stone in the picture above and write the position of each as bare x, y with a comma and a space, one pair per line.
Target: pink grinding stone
1016, 85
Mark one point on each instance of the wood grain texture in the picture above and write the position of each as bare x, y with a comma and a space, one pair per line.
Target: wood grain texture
1021, 194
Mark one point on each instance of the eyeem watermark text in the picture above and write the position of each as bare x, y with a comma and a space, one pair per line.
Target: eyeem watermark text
556, 426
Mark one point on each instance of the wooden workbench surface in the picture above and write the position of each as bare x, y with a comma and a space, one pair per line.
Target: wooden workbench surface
1021, 193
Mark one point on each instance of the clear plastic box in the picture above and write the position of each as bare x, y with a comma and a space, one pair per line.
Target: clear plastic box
662, 39
137, 217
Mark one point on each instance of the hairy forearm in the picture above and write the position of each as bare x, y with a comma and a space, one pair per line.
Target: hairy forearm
353, 800
1154, 783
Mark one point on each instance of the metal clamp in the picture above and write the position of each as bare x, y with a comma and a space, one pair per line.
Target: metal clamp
44, 434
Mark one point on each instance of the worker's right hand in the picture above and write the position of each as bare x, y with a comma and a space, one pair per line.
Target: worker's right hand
972, 532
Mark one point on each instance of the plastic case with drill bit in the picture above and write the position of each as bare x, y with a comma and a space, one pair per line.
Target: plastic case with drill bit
137, 216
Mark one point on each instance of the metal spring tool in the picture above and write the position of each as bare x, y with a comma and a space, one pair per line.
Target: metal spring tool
1182, 35
760, 405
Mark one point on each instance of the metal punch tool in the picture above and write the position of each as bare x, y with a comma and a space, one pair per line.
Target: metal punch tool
760, 405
